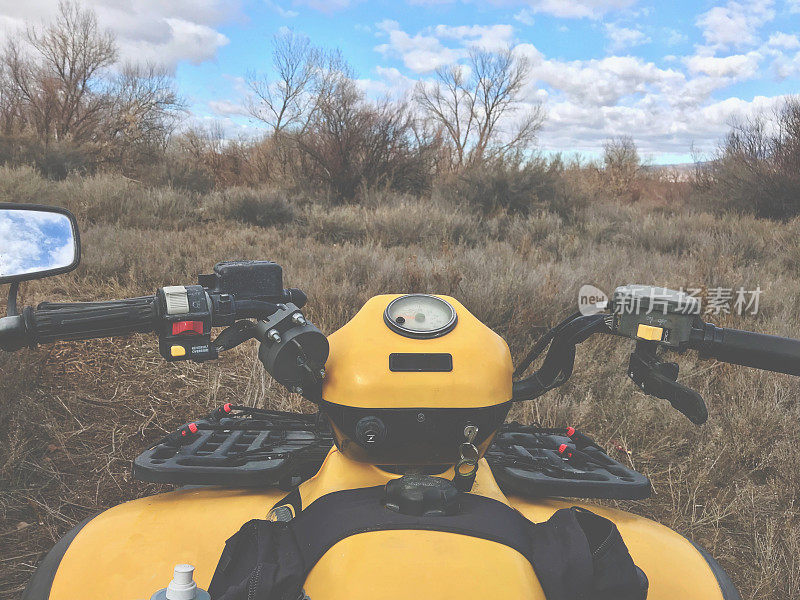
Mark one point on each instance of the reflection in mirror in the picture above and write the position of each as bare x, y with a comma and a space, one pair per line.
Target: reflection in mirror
33, 241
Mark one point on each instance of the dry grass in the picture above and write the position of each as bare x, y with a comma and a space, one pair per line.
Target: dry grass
75, 414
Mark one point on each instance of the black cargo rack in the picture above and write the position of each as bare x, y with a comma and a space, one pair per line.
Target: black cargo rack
538, 462
265, 449
261, 448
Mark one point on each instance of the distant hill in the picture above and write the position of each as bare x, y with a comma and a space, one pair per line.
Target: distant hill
677, 171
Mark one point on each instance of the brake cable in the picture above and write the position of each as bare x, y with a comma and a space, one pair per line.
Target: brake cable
559, 361
541, 344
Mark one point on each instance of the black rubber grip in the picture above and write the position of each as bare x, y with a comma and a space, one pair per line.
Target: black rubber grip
85, 320
758, 350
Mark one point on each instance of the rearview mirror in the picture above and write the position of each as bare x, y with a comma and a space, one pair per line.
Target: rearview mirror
37, 241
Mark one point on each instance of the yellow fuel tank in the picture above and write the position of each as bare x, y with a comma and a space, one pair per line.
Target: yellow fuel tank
358, 373
395, 399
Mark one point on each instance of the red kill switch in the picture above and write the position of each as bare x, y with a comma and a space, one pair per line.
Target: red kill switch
190, 327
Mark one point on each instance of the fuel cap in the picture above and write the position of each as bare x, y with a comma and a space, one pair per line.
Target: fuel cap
422, 495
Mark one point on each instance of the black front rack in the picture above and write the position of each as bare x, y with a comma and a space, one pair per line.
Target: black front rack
239, 446
246, 448
540, 462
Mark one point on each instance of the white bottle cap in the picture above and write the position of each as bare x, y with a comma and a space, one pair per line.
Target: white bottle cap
182, 586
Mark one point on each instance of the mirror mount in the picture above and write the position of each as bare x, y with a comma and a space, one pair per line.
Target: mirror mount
11, 307
12, 326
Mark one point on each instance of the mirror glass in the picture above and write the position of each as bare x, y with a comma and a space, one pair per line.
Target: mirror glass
35, 242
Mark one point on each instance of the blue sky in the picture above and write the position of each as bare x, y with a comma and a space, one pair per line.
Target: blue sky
671, 74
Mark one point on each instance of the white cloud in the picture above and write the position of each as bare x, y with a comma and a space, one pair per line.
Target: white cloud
736, 24
421, 53
784, 64
227, 108
656, 129
390, 83
666, 109
624, 37
574, 9
486, 37
426, 51
783, 40
737, 66
674, 37
596, 83
186, 41
146, 30
568, 9
283, 12
327, 6
525, 17
34, 242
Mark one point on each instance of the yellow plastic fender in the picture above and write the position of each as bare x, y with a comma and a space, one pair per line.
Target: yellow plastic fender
129, 551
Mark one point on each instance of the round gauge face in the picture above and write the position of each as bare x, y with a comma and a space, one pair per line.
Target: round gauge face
420, 315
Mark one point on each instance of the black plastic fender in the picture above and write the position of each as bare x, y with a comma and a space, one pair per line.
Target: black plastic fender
729, 591
42, 581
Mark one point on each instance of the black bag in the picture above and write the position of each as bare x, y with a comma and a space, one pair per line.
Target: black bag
576, 554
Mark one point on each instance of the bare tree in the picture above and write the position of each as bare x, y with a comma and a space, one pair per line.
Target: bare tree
449, 103
54, 69
68, 104
621, 154
479, 106
142, 110
287, 100
352, 142
12, 112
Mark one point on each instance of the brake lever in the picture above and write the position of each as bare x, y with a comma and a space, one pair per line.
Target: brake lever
236, 334
656, 378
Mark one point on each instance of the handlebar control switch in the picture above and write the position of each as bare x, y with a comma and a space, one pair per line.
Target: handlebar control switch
185, 318
654, 314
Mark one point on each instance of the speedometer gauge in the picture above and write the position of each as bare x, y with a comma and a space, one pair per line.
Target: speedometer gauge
420, 316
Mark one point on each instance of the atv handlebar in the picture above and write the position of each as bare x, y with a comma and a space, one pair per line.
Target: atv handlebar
52, 321
291, 348
677, 332
63, 321
757, 350
182, 316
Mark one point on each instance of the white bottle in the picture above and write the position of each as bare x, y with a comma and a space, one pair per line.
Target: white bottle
182, 586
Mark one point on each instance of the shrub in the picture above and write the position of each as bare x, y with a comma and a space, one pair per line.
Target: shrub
264, 208
506, 185
622, 168
179, 172
115, 199
24, 184
758, 171
352, 144
54, 160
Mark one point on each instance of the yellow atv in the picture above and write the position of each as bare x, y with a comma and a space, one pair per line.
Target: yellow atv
408, 483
